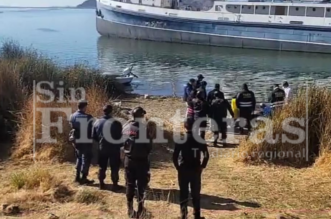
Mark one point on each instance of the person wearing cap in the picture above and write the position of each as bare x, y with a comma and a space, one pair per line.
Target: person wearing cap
107, 131
277, 97
187, 161
211, 94
246, 103
190, 86
288, 92
83, 142
200, 79
137, 148
218, 113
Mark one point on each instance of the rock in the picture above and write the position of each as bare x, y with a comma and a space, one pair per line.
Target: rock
11, 210
125, 112
52, 216
146, 96
280, 217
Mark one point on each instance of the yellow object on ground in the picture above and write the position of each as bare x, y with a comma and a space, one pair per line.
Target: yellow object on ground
234, 108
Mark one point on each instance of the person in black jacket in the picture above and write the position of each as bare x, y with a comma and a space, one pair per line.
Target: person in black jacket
189, 88
82, 143
218, 113
211, 94
246, 102
108, 133
198, 111
189, 169
200, 79
137, 148
277, 97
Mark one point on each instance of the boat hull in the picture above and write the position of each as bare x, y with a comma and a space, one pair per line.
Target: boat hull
124, 80
115, 23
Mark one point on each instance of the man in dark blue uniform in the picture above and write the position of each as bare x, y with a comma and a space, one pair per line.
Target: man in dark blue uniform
137, 148
189, 169
81, 124
246, 102
108, 133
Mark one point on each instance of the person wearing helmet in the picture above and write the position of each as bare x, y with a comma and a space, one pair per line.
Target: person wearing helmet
82, 141
108, 133
137, 148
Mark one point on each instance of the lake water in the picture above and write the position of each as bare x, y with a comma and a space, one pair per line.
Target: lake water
69, 36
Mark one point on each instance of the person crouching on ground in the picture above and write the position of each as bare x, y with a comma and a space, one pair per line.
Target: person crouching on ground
218, 113
189, 169
109, 146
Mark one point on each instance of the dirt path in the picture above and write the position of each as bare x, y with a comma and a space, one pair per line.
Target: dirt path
230, 189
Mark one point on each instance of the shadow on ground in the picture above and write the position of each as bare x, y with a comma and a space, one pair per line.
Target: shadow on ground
209, 202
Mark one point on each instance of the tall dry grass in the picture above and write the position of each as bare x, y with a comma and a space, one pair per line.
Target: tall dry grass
318, 101
20, 68
33, 128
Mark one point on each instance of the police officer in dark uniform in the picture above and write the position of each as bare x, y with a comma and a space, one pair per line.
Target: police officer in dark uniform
211, 94
82, 142
277, 97
137, 148
218, 113
189, 169
108, 133
246, 102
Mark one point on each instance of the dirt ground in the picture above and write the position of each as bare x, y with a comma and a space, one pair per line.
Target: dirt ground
230, 189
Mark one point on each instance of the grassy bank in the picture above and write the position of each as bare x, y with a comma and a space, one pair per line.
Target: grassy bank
230, 189
312, 103
20, 68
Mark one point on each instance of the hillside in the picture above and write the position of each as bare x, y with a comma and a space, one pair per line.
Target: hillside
87, 4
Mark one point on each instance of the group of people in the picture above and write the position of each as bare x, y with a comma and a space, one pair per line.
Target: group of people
111, 136
213, 105
134, 140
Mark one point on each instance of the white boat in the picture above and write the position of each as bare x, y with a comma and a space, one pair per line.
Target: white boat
276, 25
126, 77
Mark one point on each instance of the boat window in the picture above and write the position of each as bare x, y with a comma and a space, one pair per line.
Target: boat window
247, 9
297, 11
315, 12
233, 8
296, 22
262, 10
328, 12
218, 7
278, 10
